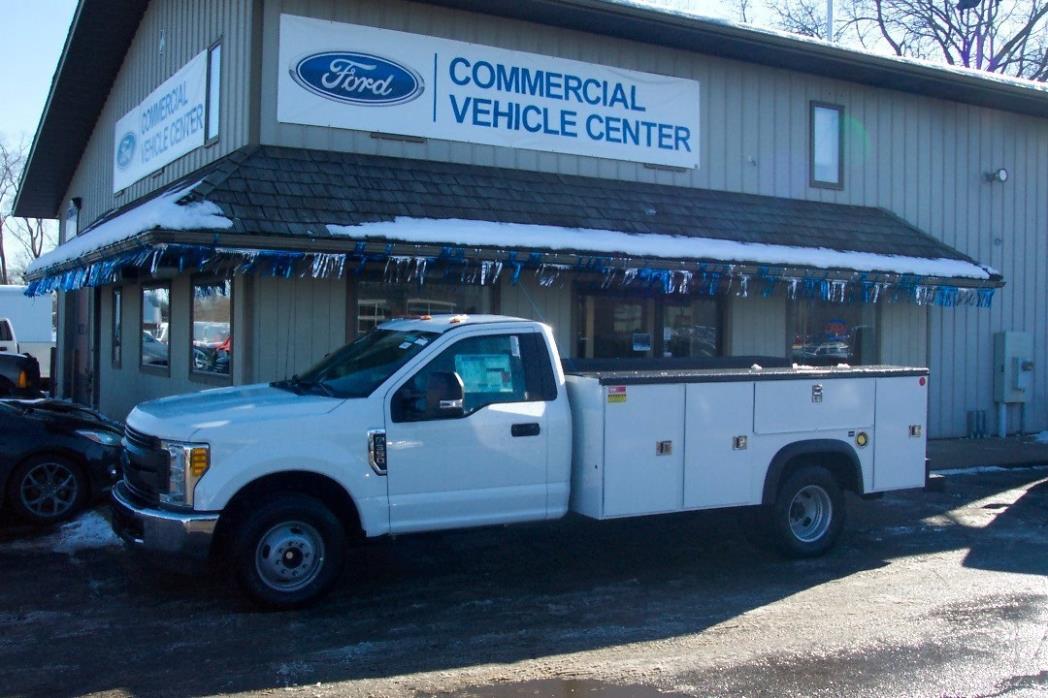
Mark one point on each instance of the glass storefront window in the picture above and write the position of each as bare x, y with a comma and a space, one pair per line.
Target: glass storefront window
691, 330
212, 347
619, 326
156, 317
118, 312
826, 334
378, 302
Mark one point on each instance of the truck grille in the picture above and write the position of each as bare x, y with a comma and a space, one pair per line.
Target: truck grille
146, 466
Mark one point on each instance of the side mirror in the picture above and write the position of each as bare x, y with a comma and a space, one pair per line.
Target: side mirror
444, 393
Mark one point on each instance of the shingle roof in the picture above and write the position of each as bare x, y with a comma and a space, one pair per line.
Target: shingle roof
291, 191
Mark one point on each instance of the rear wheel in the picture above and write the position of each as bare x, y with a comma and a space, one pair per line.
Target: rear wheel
288, 552
47, 489
808, 513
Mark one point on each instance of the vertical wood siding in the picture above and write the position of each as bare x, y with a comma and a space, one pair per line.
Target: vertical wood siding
296, 322
188, 27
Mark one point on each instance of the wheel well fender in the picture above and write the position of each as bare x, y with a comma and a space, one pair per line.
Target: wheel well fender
322, 487
837, 456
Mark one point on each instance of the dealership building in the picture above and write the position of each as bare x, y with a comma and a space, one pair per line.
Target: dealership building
245, 185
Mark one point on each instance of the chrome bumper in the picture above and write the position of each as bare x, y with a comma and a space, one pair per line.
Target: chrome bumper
159, 530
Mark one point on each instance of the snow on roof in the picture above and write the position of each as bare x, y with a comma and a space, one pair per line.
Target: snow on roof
470, 233
163, 211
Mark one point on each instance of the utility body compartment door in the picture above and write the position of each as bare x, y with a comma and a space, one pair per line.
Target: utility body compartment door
898, 452
643, 449
718, 463
812, 404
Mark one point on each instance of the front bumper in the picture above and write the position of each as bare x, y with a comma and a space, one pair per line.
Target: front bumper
157, 530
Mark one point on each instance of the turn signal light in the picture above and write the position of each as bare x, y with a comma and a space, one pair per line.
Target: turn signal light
23, 380
198, 461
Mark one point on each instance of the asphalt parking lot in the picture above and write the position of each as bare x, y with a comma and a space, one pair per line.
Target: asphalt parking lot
928, 594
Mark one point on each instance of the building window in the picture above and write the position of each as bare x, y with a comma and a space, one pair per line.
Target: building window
118, 338
827, 145
212, 317
621, 326
156, 319
214, 90
827, 334
71, 222
378, 302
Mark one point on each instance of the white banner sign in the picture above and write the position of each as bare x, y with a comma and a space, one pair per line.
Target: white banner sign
165, 126
357, 77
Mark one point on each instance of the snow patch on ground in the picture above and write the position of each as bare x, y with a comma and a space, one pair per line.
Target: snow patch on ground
163, 212
1041, 438
982, 469
90, 531
470, 233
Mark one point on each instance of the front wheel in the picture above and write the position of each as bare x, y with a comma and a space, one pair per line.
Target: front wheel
288, 552
47, 489
808, 513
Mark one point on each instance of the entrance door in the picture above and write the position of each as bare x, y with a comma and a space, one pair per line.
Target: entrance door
484, 463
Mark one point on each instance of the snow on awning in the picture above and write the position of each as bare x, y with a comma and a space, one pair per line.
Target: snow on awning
166, 211
472, 233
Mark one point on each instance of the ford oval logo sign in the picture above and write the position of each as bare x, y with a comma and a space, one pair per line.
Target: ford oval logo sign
125, 151
357, 78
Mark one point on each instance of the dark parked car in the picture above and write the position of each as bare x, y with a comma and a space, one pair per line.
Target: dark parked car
19, 375
55, 458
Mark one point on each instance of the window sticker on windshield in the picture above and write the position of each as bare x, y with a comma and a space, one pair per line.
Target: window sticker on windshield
514, 345
404, 345
485, 373
422, 341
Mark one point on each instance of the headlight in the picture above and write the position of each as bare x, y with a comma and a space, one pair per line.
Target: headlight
187, 463
104, 438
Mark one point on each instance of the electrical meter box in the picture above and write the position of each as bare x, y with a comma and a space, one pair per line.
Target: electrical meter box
1012, 366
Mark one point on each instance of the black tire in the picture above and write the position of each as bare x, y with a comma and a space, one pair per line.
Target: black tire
47, 489
310, 542
808, 513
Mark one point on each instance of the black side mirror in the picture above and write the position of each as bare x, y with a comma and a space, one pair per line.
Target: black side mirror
444, 393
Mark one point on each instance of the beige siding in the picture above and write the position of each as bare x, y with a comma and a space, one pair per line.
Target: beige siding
755, 326
924, 159
903, 334
184, 28
296, 322
549, 305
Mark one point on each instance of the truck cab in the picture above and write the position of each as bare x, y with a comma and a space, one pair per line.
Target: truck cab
423, 424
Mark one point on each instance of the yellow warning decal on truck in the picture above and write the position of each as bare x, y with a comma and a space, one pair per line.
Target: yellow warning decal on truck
616, 393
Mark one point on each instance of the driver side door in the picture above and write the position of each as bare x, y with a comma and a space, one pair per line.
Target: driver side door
480, 463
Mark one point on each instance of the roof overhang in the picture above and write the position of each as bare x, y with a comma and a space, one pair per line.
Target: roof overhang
628, 19
94, 50
206, 223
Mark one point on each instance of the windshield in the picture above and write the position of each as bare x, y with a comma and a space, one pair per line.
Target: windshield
358, 368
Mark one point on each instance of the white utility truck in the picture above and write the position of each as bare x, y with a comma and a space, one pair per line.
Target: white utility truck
26, 326
454, 421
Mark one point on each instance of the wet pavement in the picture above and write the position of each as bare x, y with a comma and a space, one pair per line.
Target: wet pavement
927, 594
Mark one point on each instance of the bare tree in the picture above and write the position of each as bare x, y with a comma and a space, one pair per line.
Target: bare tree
998, 37
33, 236
1009, 37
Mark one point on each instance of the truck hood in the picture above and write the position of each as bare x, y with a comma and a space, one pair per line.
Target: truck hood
184, 417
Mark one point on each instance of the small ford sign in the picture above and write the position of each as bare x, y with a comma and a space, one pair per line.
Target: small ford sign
125, 151
357, 78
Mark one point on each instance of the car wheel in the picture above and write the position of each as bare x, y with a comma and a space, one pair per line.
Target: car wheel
808, 513
288, 552
47, 489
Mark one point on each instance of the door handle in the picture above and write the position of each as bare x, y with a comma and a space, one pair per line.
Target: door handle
528, 429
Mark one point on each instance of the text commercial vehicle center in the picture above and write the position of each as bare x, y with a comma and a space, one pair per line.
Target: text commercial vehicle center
244, 186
